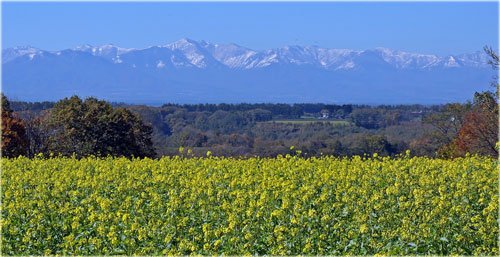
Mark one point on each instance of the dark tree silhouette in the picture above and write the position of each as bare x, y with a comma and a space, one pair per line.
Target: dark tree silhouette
14, 141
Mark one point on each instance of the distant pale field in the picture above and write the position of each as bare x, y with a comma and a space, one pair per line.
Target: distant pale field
275, 206
309, 121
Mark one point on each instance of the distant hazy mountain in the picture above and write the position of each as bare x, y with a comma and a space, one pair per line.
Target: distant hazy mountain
189, 71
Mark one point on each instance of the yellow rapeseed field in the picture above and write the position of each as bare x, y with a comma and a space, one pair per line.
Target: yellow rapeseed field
278, 206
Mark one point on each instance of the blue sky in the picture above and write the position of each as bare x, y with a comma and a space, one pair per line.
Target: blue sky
437, 28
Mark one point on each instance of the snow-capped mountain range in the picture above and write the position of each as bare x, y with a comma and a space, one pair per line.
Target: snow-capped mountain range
190, 53
198, 71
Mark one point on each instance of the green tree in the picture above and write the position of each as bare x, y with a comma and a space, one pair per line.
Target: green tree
94, 127
370, 144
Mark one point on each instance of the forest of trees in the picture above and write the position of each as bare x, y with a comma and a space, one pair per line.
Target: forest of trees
74, 127
94, 127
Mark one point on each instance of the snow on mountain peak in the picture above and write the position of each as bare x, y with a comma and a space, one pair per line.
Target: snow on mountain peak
201, 54
12, 53
451, 62
27, 48
183, 43
109, 51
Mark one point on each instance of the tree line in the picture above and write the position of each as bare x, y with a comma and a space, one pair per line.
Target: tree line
76, 127
79, 127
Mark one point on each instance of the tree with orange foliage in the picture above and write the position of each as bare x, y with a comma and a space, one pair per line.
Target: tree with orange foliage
14, 141
479, 132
